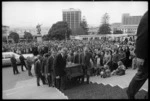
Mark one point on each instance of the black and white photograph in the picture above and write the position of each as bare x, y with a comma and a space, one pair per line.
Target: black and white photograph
75, 50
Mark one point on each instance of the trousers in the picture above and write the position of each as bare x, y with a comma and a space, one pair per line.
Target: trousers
15, 69
23, 64
138, 80
40, 76
51, 79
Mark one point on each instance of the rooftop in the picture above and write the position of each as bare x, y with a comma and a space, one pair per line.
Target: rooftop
71, 9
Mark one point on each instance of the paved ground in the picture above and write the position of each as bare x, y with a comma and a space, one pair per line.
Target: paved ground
24, 87
10, 80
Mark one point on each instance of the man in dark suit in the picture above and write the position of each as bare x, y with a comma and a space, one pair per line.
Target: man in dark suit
14, 64
141, 52
29, 65
76, 58
38, 73
44, 67
86, 63
50, 69
60, 65
22, 60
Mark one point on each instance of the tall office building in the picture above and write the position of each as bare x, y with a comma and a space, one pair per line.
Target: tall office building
130, 20
73, 18
5, 31
130, 23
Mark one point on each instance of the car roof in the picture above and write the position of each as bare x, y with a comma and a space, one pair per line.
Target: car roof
8, 53
5, 53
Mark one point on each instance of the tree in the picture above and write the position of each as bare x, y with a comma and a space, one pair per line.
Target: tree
79, 31
59, 31
105, 27
45, 37
4, 39
84, 26
28, 36
14, 36
117, 32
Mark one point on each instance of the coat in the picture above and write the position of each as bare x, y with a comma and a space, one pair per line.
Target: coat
141, 49
76, 58
60, 65
44, 65
37, 67
13, 61
22, 59
86, 60
50, 64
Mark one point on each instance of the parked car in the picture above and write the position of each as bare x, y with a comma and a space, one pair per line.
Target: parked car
7, 55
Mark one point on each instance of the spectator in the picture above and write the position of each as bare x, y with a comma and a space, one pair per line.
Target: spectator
105, 71
120, 70
14, 64
29, 63
22, 60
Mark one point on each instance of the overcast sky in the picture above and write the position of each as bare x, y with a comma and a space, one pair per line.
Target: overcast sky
29, 14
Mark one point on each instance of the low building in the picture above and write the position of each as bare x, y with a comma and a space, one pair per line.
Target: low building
129, 24
5, 31
93, 30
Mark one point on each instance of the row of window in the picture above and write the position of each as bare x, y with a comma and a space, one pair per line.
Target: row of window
131, 21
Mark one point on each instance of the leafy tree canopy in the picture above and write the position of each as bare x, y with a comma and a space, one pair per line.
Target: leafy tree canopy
84, 27
14, 36
105, 27
28, 35
59, 31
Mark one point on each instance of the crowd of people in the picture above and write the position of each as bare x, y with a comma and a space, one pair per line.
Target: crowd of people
107, 57
97, 57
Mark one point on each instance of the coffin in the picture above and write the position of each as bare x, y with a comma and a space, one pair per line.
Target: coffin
74, 70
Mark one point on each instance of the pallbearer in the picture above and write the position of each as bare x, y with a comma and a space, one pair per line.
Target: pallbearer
14, 64
60, 65
50, 69
38, 71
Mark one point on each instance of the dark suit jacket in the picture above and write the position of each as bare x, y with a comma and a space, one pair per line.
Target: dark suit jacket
70, 58
86, 59
60, 65
50, 64
141, 49
37, 67
13, 61
76, 59
80, 57
22, 58
44, 64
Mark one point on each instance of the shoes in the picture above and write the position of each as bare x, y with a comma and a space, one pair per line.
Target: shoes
38, 84
130, 97
62, 89
87, 82
31, 75
44, 83
18, 73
